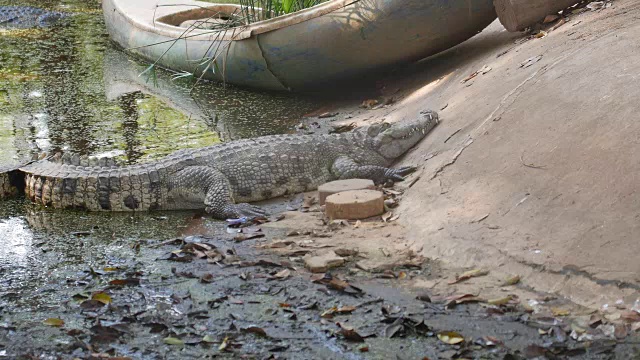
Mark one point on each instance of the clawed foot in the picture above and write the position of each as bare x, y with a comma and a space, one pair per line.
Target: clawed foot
399, 174
247, 210
237, 211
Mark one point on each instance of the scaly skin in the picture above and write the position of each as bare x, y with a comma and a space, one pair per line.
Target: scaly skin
24, 17
223, 178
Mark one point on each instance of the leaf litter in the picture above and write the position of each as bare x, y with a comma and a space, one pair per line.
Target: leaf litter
246, 293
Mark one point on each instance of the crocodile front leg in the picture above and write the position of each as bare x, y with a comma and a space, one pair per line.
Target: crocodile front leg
346, 168
196, 182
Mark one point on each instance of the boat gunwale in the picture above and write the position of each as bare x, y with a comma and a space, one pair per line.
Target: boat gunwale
158, 27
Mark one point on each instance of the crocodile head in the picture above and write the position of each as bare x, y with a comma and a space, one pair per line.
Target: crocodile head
393, 140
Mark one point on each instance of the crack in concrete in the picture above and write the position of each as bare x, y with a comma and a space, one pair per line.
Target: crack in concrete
453, 159
282, 83
576, 271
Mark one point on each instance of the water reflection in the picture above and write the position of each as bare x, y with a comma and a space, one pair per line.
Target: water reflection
67, 88
232, 112
16, 238
71, 90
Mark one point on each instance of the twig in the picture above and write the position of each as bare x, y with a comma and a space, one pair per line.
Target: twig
370, 302
453, 159
452, 135
530, 165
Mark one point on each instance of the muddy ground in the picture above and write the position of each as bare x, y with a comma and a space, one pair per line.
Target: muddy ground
183, 286
533, 168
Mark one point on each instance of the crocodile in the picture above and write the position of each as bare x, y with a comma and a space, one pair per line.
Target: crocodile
24, 17
221, 179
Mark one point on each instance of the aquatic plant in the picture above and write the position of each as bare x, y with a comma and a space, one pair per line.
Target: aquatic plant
257, 10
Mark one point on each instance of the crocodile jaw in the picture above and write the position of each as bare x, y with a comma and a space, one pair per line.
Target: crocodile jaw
391, 141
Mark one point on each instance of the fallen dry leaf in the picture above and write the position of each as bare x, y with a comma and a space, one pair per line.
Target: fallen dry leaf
368, 104
512, 280
450, 337
454, 300
560, 312
245, 237
540, 34
530, 61
502, 301
630, 316
485, 69
394, 328
621, 331
308, 201
492, 341
349, 333
468, 275
173, 341
208, 339
328, 115
283, 274
346, 252
336, 310
235, 301
535, 351
102, 297
338, 284
225, 343
277, 244
125, 282
54, 322
255, 330
207, 278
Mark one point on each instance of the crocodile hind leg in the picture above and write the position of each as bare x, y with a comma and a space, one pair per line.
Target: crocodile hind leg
346, 168
198, 183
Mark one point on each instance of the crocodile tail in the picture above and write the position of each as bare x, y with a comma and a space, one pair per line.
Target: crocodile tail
59, 184
11, 181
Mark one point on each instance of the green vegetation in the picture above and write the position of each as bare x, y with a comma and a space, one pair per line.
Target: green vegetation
256, 10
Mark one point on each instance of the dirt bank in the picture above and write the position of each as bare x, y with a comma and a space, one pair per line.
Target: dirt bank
534, 169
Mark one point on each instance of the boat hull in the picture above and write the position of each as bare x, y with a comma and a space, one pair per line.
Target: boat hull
334, 41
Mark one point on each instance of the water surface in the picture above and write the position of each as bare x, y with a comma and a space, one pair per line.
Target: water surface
67, 88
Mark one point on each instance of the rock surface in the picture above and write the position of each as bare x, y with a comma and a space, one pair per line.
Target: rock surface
356, 204
323, 262
337, 186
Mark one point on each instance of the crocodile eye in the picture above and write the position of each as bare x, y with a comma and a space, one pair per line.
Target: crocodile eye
373, 130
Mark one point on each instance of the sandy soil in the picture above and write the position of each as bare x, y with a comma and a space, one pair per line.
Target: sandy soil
533, 169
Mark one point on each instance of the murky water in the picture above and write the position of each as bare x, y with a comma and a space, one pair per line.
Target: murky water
68, 88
